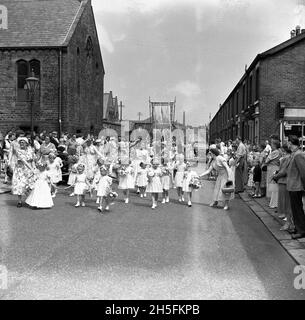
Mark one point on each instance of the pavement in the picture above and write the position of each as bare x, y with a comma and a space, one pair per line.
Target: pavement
133, 252
269, 217
4, 188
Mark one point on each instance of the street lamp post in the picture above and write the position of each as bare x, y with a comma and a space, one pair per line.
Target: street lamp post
32, 85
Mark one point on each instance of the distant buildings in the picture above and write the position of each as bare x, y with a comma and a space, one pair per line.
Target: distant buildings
58, 41
112, 114
269, 98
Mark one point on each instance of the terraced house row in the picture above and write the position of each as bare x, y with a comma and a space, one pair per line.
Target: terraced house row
269, 98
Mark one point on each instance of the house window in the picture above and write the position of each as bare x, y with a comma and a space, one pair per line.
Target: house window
24, 70
34, 66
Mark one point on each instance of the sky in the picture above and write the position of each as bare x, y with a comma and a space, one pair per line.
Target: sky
194, 50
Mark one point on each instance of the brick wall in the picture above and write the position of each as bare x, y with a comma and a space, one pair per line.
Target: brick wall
16, 114
82, 85
282, 79
84, 79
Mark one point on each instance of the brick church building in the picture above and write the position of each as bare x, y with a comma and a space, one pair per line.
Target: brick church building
57, 40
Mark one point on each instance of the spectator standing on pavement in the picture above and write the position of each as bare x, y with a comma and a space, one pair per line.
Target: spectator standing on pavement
296, 186
273, 165
284, 206
241, 166
268, 148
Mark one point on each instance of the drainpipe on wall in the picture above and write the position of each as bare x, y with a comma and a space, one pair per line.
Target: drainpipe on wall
60, 94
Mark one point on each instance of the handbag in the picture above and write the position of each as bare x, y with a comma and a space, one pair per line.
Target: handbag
228, 187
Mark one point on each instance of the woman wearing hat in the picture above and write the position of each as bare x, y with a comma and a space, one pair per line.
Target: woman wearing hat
23, 173
221, 166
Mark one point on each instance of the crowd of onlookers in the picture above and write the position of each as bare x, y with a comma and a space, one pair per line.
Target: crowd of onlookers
274, 170
271, 169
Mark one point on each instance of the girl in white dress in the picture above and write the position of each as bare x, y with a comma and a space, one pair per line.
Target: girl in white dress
73, 171
54, 170
188, 186
126, 180
81, 185
166, 180
104, 188
97, 173
142, 179
179, 168
154, 183
40, 197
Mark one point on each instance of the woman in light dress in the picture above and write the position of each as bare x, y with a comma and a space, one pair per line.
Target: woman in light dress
46, 148
224, 174
273, 165
24, 170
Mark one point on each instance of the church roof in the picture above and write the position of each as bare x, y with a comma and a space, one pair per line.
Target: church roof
40, 23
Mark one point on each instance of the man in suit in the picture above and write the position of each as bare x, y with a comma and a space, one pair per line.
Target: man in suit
296, 186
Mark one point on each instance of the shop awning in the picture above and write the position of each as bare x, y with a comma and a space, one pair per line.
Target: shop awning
294, 114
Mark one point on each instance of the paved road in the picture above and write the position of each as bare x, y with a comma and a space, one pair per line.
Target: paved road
132, 253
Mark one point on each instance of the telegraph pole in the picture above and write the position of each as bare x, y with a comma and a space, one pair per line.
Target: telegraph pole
121, 111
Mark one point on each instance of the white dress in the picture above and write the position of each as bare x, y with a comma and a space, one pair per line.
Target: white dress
40, 196
142, 179
166, 180
81, 186
188, 176
154, 181
104, 186
179, 175
72, 175
54, 170
127, 181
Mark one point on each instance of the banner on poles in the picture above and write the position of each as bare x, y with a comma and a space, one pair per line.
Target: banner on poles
162, 112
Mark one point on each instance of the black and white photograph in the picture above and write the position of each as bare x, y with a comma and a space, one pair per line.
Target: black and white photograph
152, 150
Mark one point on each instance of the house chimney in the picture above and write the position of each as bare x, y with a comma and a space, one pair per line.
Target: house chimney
292, 33
298, 30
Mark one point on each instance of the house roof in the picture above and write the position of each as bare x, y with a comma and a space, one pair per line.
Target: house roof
40, 23
270, 52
